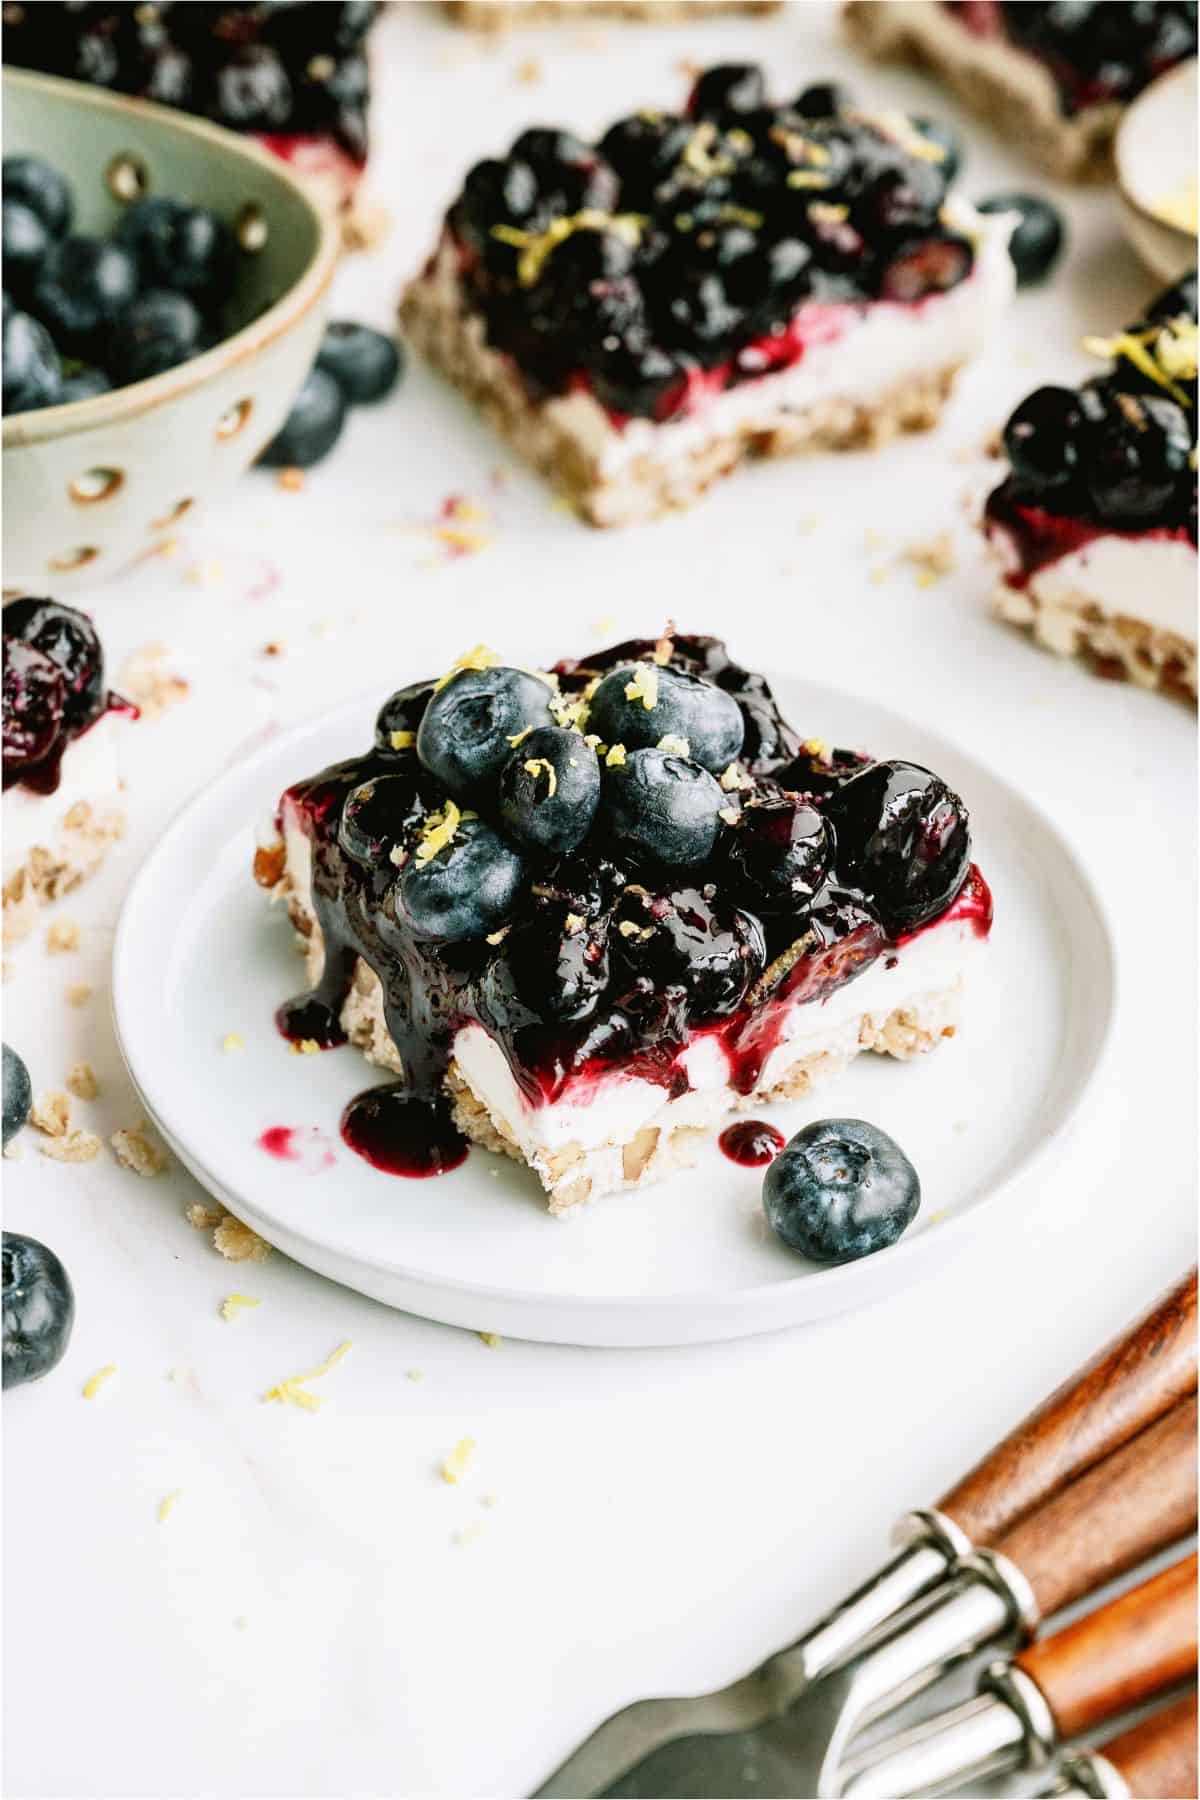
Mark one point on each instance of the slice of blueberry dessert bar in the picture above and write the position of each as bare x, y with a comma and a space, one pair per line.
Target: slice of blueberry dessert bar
64, 800
498, 15
743, 279
586, 915
294, 75
1055, 75
1095, 524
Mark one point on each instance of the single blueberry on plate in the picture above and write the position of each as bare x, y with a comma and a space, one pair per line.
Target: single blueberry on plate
467, 889
639, 704
39, 186
902, 838
466, 735
69, 639
661, 808
39, 1309
18, 1094
83, 284
179, 246
840, 1189
364, 363
549, 791
1038, 238
312, 427
31, 370
157, 332
25, 243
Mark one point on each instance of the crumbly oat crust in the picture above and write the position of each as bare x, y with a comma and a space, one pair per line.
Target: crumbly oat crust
1122, 648
452, 338
999, 86
499, 15
78, 844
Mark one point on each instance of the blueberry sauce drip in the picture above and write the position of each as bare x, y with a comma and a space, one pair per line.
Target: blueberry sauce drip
1096, 50
682, 254
283, 72
53, 689
1115, 455
751, 1143
608, 958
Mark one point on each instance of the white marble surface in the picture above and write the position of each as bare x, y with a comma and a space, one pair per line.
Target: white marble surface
305, 1622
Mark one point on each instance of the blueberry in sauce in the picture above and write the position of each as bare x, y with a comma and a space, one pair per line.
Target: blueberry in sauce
639, 704
1139, 459
18, 1094
549, 791
553, 966
780, 852
376, 816
399, 717
31, 368
34, 703
39, 1309
364, 363
82, 286
680, 947
928, 265
466, 733
468, 889
312, 427
822, 100
662, 808
71, 641
903, 838
1037, 239
1042, 439
840, 1189
157, 332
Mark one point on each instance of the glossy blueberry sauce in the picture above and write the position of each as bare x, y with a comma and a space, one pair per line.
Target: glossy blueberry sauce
751, 1143
402, 1135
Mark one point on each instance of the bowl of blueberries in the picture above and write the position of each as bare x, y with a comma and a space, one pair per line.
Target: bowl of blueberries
165, 292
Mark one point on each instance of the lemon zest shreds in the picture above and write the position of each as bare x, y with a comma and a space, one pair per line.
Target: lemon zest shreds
536, 766
644, 686
735, 777
457, 1463
438, 831
1135, 347
537, 246
519, 737
94, 1383
1175, 349
478, 658
402, 740
293, 1390
233, 1304
615, 757
674, 745
166, 1503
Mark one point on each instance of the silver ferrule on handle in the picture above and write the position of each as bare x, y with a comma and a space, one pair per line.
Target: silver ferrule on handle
1089, 1776
982, 1736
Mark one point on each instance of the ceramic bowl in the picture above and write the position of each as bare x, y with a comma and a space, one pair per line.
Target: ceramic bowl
1155, 153
90, 487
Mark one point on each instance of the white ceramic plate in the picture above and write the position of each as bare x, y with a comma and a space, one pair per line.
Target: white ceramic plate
199, 954
1155, 153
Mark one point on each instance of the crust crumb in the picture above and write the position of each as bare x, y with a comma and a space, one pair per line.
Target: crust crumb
290, 480
78, 993
233, 1040
458, 1462
151, 687
82, 1081
932, 558
136, 1149
203, 1218
51, 1114
75, 1147
238, 1243
62, 936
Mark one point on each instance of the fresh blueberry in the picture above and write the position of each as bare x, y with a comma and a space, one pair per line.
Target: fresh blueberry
39, 186
780, 853
947, 141
312, 427
376, 815
466, 735
1038, 238
84, 383
400, 715
726, 90
1138, 459
179, 246
549, 791
25, 243
158, 332
662, 808
251, 91
71, 641
1042, 439
82, 286
31, 370
903, 838
840, 1189
667, 702
680, 947
468, 889
552, 967
364, 363
34, 696
822, 100
39, 1309
18, 1094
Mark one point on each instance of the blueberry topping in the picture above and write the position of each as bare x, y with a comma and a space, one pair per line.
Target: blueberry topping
1138, 459
903, 838
553, 967
640, 704
158, 332
83, 284
466, 734
39, 186
467, 889
364, 363
34, 702
312, 427
1042, 439
25, 242
70, 640
186, 248
18, 1094
39, 1309
822, 100
947, 141
549, 791
780, 852
400, 716
31, 371
727, 90
377, 815
662, 808
1037, 240
839, 1190
678, 947
930, 265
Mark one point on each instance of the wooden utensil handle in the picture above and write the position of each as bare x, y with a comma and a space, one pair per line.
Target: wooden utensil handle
1140, 1501
1132, 1382
1121, 1654
1158, 1757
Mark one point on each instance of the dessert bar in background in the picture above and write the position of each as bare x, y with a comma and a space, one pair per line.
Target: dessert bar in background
498, 15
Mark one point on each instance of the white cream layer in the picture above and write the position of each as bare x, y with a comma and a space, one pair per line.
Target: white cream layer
1149, 579
882, 345
91, 771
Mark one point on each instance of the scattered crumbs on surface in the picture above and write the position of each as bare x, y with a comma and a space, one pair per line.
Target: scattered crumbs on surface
166, 1504
306, 1047
275, 647
873, 539
528, 71
82, 1081
204, 1218
238, 1243
167, 547
78, 993
879, 575
492, 1339
76, 1147
94, 1383
604, 627
233, 1040
206, 573
62, 936
143, 679
455, 1466
932, 558
51, 1114
938, 1217
292, 1391
233, 1304
415, 1374
135, 1148
466, 1534
12, 1150
290, 480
